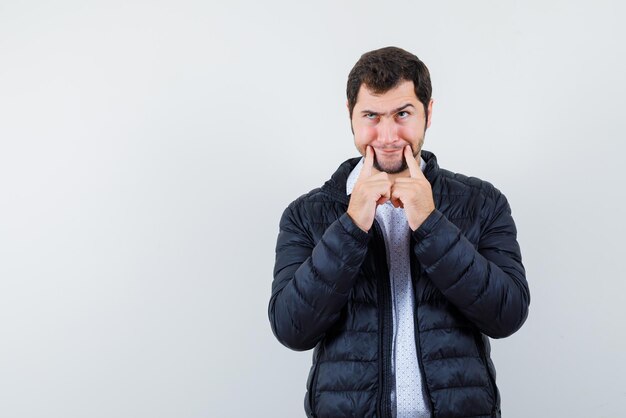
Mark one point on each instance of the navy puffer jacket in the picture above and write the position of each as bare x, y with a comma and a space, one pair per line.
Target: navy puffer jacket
331, 292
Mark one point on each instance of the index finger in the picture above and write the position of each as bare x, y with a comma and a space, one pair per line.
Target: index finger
366, 170
414, 167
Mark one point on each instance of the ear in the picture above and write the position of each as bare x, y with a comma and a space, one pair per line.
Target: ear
430, 113
348, 107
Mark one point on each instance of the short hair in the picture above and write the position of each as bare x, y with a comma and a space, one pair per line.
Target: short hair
383, 69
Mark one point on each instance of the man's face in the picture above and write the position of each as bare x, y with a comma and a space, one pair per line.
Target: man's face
388, 122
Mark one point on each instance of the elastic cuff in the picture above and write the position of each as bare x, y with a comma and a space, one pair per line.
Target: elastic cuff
353, 230
428, 225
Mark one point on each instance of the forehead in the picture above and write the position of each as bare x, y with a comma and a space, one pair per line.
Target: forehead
401, 94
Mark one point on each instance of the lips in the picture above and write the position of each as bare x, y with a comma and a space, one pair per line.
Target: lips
387, 151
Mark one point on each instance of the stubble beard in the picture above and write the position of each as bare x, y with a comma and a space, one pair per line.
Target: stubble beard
397, 166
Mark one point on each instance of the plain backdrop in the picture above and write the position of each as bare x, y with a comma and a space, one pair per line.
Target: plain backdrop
148, 149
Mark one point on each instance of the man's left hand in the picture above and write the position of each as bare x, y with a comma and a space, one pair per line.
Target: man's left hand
413, 193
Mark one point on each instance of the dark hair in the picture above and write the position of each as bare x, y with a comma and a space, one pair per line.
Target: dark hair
383, 69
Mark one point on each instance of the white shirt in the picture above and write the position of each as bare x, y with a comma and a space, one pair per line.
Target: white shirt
408, 396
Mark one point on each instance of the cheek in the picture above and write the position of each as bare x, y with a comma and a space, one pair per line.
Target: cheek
408, 132
363, 135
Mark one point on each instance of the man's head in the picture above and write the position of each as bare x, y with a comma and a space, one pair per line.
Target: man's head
389, 101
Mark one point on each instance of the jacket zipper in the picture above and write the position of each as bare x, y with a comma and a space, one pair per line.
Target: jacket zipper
416, 326
312, 388
384, 327
419, 360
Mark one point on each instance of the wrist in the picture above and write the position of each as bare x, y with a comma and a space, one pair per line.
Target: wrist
358, 224
420, 220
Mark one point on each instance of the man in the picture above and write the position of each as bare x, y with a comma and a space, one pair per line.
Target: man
397, 271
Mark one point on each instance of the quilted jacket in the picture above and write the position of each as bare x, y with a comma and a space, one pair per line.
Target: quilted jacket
331, 291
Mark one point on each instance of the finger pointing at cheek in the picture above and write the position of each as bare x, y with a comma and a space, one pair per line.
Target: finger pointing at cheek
366, 170
414, 167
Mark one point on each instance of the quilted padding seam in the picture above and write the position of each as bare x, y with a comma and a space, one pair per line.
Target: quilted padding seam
459, 387
448, 358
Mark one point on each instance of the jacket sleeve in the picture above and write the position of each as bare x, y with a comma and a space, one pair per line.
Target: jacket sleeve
486, 283
312, 281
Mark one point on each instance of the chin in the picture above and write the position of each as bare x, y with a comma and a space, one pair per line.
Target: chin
393, 168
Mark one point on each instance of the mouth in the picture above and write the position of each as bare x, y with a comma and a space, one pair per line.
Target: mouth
387, 151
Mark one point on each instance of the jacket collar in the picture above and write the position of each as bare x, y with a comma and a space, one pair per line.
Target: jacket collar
336, 185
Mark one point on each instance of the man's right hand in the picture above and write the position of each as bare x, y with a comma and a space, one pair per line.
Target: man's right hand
368, 192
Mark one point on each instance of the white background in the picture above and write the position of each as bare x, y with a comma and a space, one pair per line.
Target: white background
148, 149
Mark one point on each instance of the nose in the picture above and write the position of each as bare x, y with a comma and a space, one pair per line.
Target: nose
387, 131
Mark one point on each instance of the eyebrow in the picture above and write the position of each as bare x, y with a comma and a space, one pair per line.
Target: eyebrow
396, 110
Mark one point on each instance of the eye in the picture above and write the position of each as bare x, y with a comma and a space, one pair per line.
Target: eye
403, 114
371, 116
